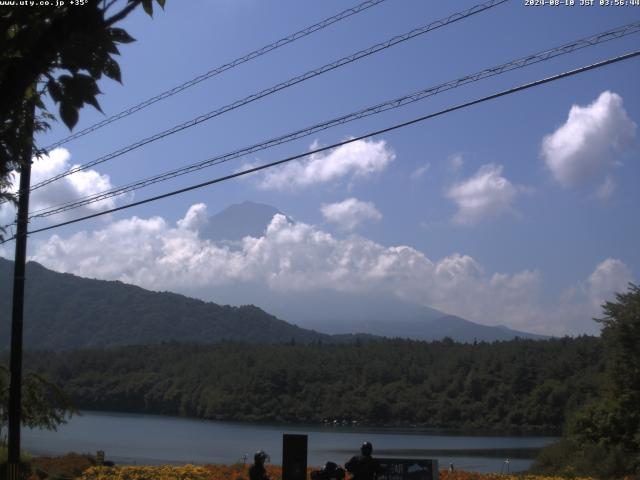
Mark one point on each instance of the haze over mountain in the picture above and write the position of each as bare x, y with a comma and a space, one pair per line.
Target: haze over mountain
335, 312
64, 311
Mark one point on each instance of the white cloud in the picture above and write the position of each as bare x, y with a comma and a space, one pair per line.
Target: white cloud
455, 162
195, 218
357, 159
585, 144
582, 302
289, 257
350, 213
300, 257
606, 188
609, 277
420, 171
72, 187
485, 194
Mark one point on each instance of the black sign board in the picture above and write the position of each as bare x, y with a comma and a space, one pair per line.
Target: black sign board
408, 469
294, 457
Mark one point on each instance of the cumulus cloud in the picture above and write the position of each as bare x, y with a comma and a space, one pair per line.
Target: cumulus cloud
289, 257
586, 143
582, 302
420, 171
72, 187
195, 218
485, 194
354, 160
609, 277
299, 257
350, 213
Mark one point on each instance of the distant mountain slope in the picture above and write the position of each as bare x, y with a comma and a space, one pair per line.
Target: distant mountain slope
238, 221
378, 314
63, 311
453, 327
334, 312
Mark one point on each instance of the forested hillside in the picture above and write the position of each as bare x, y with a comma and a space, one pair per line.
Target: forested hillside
520, 385
64, 311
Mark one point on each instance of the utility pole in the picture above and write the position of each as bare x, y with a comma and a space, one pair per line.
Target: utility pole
15, 386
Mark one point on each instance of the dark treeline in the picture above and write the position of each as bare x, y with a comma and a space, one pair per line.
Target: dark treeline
521, 385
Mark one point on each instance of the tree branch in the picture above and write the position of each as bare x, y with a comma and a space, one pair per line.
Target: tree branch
122, 14
107, 6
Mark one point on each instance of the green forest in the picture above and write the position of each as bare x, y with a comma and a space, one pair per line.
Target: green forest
519, 385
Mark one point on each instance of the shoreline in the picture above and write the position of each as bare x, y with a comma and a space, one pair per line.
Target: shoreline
360, 427
153, 439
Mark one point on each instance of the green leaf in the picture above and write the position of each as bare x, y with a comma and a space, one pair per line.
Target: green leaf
54, 91
161, 3
94, 103
147, 5
112, 70
29, 92
85, 90
110, 47
79, 89
39, 103
69, 114
96, 66
71, 91
75, 57
120, 35
64, 80
12, 31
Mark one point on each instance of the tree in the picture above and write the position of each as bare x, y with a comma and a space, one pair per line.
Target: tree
603, 438
612, 424
44, 404
61, 52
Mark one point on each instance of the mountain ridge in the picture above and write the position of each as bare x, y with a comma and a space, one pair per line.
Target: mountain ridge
64, 311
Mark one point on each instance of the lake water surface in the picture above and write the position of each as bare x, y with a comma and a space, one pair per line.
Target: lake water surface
151, 439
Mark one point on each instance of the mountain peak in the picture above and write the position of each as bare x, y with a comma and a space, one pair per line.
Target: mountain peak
238, 221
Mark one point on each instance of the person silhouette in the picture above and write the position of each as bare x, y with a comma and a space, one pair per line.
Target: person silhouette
364, 466
257, 470
330, 471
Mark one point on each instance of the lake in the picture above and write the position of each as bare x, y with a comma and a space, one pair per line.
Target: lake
153, 439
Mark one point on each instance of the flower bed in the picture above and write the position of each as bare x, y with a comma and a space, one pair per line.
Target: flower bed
241, 472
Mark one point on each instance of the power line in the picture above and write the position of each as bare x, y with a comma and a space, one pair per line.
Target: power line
461, 106
281, 86
220, 69
382, 107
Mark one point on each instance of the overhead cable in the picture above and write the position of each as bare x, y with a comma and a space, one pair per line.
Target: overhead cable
220, 69
248, 171
281, 86
373, 110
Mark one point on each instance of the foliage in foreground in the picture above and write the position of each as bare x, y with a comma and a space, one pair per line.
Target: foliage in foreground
602, 439
3, 454
56, 52
44, 405
183, 472
71, 465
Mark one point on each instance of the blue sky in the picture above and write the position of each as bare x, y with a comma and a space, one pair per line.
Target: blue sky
540, 231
